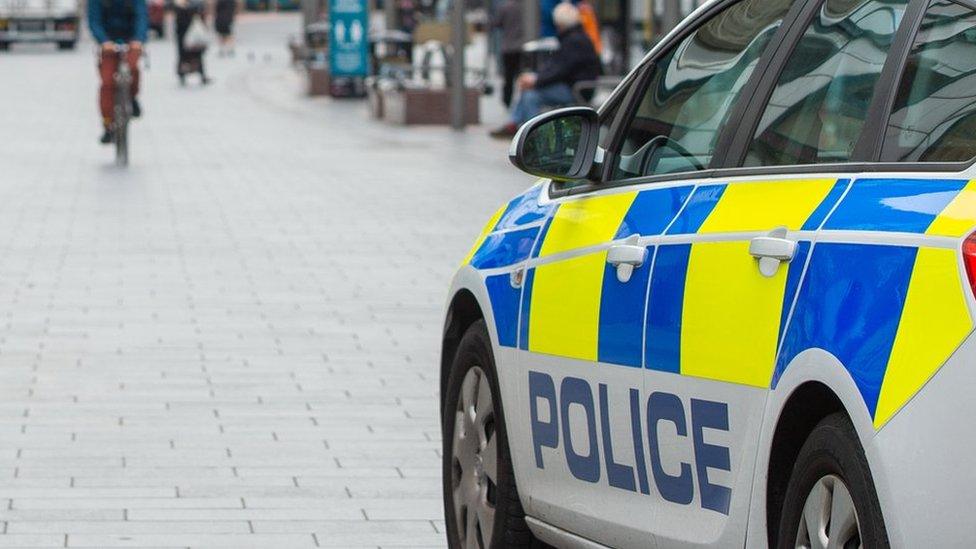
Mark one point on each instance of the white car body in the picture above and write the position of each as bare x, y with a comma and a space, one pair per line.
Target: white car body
919, 468
874, 313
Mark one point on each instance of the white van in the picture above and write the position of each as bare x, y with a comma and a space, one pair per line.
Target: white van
39, 21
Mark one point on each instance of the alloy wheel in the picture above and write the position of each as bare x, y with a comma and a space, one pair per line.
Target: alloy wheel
474, 454
829, 519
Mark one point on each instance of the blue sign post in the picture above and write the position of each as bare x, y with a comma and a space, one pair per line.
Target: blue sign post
349, 40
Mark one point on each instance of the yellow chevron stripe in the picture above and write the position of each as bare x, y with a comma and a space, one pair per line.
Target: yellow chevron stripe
565, 309
959, 217
731, 312
731, 315
765, 205
587, 221
487, 230
933, 324
564, 317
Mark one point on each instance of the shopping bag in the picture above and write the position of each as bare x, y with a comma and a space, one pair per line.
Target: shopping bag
197, 36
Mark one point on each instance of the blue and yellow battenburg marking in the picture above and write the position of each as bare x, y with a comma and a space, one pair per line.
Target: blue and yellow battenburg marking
885, 311
507, 239
566, 295
725, 299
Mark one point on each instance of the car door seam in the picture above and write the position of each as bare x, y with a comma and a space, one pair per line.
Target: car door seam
803, 276
843, 195
650, 275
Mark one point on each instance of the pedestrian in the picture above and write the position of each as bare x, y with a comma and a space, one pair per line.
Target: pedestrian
408, 15
575, 61
191, 39
225, 10
588, 18
114, 23
508, 20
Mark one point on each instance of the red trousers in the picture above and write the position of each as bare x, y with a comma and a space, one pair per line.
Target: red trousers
106, 70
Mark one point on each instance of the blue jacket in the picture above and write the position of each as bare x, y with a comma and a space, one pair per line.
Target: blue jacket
118, 21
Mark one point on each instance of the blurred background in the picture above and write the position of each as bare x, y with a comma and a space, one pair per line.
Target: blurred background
233, 341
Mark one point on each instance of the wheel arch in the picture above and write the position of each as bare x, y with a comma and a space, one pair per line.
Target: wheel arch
806, 406
814, 385
463, 311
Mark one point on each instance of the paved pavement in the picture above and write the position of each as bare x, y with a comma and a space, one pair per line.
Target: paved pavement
232, 343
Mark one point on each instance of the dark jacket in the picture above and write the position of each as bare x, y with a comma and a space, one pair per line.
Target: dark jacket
224, 12
574, 61
118, 20
508, 20
184, 16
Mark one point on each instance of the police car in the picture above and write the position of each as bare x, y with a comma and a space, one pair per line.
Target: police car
737, 310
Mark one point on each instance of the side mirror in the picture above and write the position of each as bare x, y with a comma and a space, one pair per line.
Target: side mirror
559, 144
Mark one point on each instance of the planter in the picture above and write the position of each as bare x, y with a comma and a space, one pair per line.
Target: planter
415, 106
319, 81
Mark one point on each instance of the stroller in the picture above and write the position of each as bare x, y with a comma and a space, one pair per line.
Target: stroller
192, 39
191, 61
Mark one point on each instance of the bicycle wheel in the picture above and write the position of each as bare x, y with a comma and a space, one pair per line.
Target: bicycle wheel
122, 143
122, 112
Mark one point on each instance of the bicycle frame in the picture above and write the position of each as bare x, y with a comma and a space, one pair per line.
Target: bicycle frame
122, 105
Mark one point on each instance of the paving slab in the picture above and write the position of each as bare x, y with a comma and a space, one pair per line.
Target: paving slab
234, 341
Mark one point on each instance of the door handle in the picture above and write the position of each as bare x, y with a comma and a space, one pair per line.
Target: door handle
626, 257
771, 250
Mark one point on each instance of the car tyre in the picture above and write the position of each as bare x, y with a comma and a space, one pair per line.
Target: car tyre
4, 45
831, 495
474, 435
66, 45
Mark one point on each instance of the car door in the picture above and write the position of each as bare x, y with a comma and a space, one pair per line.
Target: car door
726, 272
589, 462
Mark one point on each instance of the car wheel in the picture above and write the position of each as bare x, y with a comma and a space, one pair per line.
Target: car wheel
481, 502
68, 45
830, 499
4, 46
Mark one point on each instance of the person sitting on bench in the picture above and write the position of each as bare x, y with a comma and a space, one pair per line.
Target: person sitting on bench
575, 60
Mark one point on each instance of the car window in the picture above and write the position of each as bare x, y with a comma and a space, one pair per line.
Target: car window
691, 90
821, 98
934, 114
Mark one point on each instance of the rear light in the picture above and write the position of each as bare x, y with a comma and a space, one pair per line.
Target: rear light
969, 259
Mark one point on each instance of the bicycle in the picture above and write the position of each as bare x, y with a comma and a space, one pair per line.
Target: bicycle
122, 106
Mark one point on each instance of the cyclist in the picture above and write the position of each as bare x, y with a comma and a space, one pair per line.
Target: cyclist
113, 23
